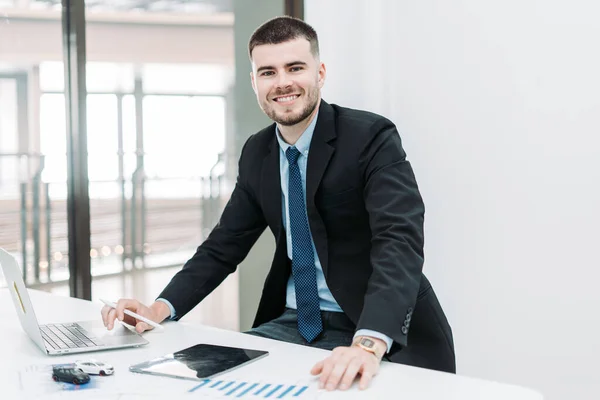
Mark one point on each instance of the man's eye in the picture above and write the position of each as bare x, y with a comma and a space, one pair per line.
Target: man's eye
294, 69
267, 73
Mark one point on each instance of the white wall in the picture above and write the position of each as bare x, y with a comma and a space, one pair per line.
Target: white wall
498, 104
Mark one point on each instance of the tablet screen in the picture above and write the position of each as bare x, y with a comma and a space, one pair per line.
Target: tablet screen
199, 362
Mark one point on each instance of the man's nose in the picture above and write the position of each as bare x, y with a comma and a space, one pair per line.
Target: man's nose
283, 80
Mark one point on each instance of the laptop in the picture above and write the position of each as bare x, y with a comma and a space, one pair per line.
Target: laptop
64, 338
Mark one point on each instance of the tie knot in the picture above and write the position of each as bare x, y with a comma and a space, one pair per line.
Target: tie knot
292, 154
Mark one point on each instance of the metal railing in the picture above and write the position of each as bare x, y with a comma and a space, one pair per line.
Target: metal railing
125, 228
28, 189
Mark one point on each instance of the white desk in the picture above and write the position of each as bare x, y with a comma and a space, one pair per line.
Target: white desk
286, 363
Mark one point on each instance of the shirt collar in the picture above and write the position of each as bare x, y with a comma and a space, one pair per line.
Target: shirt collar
304, 140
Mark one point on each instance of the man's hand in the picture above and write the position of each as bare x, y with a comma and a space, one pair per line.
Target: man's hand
344, 364
157, 313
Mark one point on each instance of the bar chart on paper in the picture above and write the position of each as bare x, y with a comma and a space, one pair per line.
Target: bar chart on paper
251, 390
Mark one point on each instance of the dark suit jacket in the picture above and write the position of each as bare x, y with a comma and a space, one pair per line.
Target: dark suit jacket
366, 218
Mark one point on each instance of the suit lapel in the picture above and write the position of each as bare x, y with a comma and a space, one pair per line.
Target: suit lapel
271, 186
321, 151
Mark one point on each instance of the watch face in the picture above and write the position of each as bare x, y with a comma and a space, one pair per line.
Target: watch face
367, 342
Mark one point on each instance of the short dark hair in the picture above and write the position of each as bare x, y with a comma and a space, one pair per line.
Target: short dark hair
282, 29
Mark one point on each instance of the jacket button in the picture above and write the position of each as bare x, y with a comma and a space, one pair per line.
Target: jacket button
404, 330
410, 310
406, 323
409, 317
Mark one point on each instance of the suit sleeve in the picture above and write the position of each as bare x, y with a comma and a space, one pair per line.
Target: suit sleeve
239, 227
396, 215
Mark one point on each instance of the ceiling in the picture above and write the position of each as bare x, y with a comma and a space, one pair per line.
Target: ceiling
136, 6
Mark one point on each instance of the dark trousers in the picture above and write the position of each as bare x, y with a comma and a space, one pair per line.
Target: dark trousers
338, 330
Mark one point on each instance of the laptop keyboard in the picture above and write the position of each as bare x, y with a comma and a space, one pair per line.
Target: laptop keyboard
66, 336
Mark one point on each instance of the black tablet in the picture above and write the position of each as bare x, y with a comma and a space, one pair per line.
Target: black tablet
199, 362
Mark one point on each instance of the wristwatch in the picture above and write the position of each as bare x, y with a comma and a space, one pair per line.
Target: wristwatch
369, 345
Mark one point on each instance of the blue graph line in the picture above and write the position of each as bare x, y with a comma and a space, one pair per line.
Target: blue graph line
235, 388
273, 391
299, 392
242, 391
247, 390
282, 395
199, 386
262, 389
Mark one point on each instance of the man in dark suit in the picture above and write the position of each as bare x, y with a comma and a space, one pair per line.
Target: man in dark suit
335, 188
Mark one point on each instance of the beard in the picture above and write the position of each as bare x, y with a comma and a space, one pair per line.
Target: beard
311, 98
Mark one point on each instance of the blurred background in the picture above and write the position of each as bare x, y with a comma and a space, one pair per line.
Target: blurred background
159, 78
496, 102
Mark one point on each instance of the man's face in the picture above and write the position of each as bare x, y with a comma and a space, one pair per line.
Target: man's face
287, 80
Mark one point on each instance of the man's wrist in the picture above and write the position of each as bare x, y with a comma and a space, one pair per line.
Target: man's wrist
375, 346
161, 310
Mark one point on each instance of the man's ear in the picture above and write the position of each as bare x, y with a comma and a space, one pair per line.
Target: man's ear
252, 81
322, 75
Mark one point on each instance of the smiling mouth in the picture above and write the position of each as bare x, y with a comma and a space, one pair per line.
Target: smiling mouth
286, 99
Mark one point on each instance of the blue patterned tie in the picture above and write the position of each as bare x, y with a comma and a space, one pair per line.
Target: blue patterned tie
303, 258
